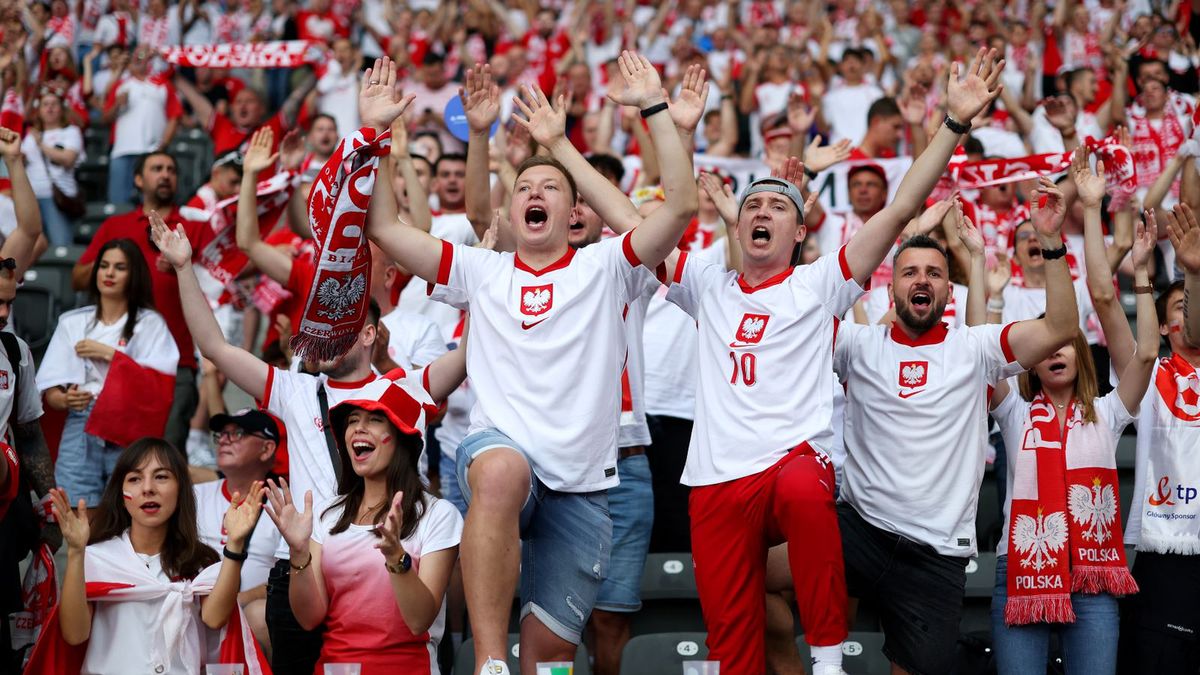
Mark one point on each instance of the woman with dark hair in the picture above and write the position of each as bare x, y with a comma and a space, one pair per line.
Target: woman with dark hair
374, 570
120, 332
132, 571
1061, 564
53, 148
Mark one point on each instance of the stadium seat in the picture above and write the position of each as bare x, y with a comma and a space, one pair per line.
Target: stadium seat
34, 314
98, 212
861, 654
55, 279
464, 660
662, 653
981, 576
669, 575
61, 256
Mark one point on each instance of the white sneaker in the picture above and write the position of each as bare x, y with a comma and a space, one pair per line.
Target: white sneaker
494, 667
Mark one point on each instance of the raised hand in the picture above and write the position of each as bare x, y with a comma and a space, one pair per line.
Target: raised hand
721, 194
516, 145
1145, 238
1048, 218
818, 158
490, 236
389, 531
969, 96
258, 156
912, 105
1060, 112
295, 526
10, 143
173, 245
642, 87
800, 115
378, 101
73, 524
688, 106
791, 170
546, 123
481, 99
291, 151
931, 217
999, 275
970, 235
399, 147
1184, 234
1090, 186
242, 515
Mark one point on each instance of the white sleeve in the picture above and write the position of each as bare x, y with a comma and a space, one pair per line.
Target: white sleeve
29, 408
693, 278
996, 354
282, 387
843, 348
461, 271
830, 279
152, 345
428, 346
440, 527
1112, 412
1011, 415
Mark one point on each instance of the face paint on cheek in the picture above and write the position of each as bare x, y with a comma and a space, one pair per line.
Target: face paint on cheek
1174, 327
128, 496
387, 438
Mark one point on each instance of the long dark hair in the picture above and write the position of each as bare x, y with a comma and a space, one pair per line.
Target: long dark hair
402, 475
183, 554
138, 290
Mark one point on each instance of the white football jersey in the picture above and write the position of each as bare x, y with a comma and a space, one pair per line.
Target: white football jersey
765, 352
633, 429
916, 426
546, 351
456, 229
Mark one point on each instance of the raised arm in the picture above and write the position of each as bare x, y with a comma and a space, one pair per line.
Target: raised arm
74, 614
237, 524
972, 240
419, 593
307, 596
1033, 341
291, 106
1090, 187
202, 108
419, 213
1185, 238
1113, 110
272, 262
243, 368
481, 100
22, 244
967, 98
1135, 376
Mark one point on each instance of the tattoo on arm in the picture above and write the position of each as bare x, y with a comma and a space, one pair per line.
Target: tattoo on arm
35, 456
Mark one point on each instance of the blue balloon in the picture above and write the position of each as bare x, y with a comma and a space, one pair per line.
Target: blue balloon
456, 120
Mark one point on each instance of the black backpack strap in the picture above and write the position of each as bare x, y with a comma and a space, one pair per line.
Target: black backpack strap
12, 347
334, 456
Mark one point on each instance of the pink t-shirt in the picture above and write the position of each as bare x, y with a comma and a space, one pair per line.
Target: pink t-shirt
364, 624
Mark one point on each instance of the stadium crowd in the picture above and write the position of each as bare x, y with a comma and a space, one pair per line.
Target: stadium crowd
515, 294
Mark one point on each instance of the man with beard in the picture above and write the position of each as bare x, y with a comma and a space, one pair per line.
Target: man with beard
156, 177
907, 532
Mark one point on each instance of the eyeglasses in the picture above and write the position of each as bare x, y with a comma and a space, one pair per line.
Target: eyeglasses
220, 437
1026, 235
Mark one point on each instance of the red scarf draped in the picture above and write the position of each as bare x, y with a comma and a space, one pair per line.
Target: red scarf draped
1151, 149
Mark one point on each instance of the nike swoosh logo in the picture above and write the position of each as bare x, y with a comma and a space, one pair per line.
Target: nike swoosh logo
739, 345
903, 394
527, 325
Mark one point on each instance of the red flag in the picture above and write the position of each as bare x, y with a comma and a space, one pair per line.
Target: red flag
134, 403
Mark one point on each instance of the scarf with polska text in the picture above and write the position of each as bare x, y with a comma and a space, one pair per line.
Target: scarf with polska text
1065, 532
336, 308
275, 54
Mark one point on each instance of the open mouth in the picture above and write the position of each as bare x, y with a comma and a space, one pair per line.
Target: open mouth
150, 508
362, 450
921, 300
1035, 251
1058, 368
535, 215
577, 227
760, 233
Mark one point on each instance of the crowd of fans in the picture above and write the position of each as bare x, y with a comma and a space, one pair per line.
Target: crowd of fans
525, 290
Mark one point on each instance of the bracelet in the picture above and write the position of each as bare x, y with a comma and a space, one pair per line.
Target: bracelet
236, 557
812, 175
726, 97
302, 567
1147, 289
654, 109
996, 306
956, 126
1054, 253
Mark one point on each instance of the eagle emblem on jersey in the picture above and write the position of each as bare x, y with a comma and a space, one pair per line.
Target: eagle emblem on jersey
750, 329
1039, 539
1094, 509
338, 299
537, 300
912, 376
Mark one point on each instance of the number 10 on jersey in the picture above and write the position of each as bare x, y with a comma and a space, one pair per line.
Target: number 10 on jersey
745, 363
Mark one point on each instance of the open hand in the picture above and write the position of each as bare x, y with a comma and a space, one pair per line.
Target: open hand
721, 194
73, 524
912, 105
1145, 238
1060, 112
688, 107
173, 245
1090, 186
481, 99
642, 87
546, 123
999, 275
1047, 219
800, 115
259, 156
389, 531
931, 217
970, 235
242, 514
295, 526
378, 101
818, 158
969, 96
291, 150
1185, 236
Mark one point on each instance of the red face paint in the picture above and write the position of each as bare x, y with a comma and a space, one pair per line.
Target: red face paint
1174, 327
127, 496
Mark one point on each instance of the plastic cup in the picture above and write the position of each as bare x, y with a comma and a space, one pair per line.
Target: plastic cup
224, 669
701, 668
556, 668
343, 668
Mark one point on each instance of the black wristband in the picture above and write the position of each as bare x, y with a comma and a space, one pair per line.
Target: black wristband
236, 557
812, 175
654, 109
956, 126
1054, 253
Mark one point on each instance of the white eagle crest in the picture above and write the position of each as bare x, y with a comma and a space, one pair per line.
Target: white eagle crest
1095, 509
337, 300
1039, 538
535, 300
752, 326
913, 373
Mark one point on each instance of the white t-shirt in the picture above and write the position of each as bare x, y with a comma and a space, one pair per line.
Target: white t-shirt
141, 124
339, 97
1012, 416
292, 397
669, 338
633, 430
1000, 142
846, 107
765, 362
902, 393
29, 408
456, 229
1022, 304
68, 138
361, 601
546, 352
212, 501
414, 340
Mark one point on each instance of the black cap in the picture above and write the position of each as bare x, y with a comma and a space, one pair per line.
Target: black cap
249, 420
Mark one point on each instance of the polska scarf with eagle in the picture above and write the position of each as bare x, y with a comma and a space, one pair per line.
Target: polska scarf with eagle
337, 303
1065, 532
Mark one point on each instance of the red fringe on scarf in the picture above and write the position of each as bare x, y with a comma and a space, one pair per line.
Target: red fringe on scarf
1039, 609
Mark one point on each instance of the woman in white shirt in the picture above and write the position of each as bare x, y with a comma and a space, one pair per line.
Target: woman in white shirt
81, 352
52, 149
1061, 563
374, 570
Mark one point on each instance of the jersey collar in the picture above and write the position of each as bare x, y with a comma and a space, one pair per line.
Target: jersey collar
773, 281
933, 336
556, 265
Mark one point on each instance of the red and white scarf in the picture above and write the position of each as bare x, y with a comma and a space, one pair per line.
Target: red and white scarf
1171, 468
1065, 532
1152, 148
115, 573
336, 308
39, 596
154, 32
278, 54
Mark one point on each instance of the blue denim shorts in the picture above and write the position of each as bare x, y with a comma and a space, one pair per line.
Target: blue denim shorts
566, 539
632, 506
450, 489
85, 462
